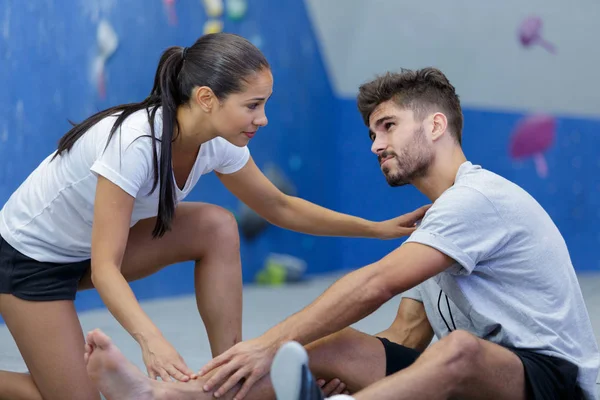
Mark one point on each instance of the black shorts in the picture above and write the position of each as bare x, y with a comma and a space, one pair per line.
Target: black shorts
546, 377
28, 279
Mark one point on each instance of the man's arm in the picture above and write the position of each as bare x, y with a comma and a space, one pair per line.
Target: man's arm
361, 292
350, 299
348, 359
411, 328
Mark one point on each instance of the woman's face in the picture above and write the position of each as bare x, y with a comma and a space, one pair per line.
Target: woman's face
241, 114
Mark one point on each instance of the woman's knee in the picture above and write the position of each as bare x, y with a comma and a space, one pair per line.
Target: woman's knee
220, 224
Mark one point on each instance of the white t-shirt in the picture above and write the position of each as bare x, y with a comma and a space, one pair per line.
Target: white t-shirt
49, 217
513, 282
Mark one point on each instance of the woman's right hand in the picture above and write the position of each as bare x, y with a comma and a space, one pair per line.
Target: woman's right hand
161, 359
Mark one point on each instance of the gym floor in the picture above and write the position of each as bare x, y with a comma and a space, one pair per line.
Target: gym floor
180, 322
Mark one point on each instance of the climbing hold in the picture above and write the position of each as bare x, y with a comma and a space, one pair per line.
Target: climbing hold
530, 33
281, 268
171, 13
236, 9
213, 26
532, 136
214, 8
108, 42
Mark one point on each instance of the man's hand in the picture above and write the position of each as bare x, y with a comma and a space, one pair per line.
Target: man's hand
249, 361
333, 387
401, 226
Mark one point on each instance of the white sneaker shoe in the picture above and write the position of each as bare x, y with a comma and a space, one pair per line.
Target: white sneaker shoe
291, 378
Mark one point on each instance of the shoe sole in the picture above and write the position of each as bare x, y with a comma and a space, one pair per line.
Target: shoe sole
286, 371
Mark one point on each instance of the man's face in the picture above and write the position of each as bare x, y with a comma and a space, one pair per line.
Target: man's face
403, 149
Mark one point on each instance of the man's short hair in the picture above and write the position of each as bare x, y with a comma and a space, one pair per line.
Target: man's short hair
423, 91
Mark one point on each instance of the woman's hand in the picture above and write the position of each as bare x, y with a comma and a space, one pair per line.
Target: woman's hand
161, 359
401, 226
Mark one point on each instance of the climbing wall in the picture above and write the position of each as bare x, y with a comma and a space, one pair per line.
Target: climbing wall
531, 108
527, 81
64, 60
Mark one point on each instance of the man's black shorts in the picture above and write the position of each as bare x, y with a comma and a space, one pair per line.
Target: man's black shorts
546, 377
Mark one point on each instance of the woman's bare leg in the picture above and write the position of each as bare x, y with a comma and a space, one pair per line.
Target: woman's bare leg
208, 235
49, 337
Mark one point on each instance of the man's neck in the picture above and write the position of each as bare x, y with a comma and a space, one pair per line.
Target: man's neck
441, 174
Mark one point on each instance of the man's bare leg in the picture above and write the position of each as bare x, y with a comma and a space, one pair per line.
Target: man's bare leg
458, 366
355, 358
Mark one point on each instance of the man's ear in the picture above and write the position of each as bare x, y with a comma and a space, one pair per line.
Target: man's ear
440, 124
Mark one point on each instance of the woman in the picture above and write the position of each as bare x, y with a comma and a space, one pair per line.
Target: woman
106, 208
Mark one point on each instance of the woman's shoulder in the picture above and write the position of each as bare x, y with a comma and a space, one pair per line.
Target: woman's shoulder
134, 131
138, 123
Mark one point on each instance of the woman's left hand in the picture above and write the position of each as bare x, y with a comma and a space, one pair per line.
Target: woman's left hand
400, 226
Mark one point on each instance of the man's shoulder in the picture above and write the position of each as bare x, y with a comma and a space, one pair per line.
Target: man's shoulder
463, 196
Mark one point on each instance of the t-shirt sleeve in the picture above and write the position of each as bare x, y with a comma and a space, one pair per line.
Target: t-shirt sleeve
464, 225
232, 158
126, 161
413, 293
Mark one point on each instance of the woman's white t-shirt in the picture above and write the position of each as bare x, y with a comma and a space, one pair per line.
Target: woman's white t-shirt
49, 217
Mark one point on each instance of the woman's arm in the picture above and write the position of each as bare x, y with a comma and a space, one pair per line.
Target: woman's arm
252, 187
112, 216
110, 231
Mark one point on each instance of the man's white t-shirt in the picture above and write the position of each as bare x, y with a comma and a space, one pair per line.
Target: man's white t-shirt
49, 217
513, 282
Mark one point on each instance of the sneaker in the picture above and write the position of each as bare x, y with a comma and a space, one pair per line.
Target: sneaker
291, 378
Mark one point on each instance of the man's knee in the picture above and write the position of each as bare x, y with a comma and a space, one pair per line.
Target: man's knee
328, 346
457, 354
332, 356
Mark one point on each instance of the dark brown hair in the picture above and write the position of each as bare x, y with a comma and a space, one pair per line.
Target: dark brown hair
221, 61
423, 91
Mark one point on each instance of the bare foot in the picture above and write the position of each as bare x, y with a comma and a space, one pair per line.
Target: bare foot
113, 374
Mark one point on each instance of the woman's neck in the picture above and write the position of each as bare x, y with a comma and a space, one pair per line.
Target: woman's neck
194, 129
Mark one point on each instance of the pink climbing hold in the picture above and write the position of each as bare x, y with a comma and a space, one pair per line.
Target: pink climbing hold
532, 136
530, 33
171, 13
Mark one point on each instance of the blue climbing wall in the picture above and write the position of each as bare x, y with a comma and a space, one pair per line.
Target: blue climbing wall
47, 49
530, 60
315, 137
570, 193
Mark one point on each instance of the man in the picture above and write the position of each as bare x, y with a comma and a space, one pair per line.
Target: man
487, 260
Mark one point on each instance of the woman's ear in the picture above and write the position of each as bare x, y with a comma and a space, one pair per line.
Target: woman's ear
205, 98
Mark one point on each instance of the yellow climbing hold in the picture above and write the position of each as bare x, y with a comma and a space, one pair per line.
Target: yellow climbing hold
214, 8
213, 26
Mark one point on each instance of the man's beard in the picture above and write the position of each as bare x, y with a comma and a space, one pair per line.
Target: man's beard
413, 161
